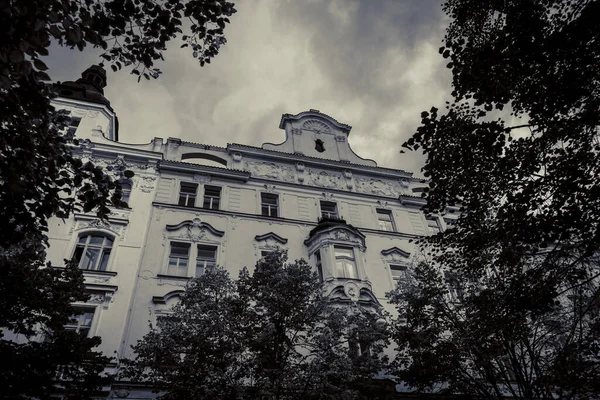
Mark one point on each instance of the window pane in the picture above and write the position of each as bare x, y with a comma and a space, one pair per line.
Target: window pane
78, 253
398, 271
268, 198
214, 191
344, 252
350, 269
104, 261
200, 268
90, 258
206, 253
339, 267
180, 249
97, 240
328, 206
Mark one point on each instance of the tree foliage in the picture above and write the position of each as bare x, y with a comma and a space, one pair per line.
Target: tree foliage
524, 253
39, 175
270, 334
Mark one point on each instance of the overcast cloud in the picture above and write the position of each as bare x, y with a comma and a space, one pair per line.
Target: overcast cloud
372, 64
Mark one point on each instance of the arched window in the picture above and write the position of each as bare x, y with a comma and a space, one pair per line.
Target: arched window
93, 251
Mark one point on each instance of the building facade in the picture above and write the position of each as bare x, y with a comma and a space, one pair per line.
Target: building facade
194, 205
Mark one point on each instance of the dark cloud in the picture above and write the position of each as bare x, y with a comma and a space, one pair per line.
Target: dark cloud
372, 64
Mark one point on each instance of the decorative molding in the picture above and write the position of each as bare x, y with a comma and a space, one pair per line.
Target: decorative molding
270, 236
202, 178
340, 138
383, 203
379, 187
316, 126
270, 170
395, 251
335, 234
297, 131
325, 179
195, 230
167, 297
270, 188
328, 196
237, 156
147, 184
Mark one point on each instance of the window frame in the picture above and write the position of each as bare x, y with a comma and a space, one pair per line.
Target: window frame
189, 196
212, 197
398, 267
126, 196
74, 125
330, 215
438, 226
78, 326
192, 259
178, 265
344, 271
319, 264
384, 212
270, 207
206, 261
101, 247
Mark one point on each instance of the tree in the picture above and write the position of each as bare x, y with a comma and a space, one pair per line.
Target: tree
39, 175
271, 334
524, 252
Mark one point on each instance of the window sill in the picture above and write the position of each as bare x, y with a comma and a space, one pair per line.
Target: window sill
96, 272
176, 277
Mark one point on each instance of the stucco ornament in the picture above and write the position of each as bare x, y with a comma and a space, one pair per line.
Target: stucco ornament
316, 126
147, 184
270, 170
379, 187
352, 290
194, 230
325, 179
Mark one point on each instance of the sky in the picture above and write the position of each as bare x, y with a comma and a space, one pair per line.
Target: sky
371, 64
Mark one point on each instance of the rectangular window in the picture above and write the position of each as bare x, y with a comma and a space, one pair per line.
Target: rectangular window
187, 194
269, 204
81, 321
264, 253
399, 272
329, 209
73, 125
433, 225
126, 188
212, 196
319, 264
345, 262
386, 222
207, 257
179, 259
93, 252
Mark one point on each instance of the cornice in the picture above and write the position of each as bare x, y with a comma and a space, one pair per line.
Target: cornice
179, 166
320, 162
400, 235
190, 223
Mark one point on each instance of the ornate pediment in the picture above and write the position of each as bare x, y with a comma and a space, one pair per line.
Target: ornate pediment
343, 291
395, 251
270, 237
194, 230
333, 232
